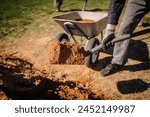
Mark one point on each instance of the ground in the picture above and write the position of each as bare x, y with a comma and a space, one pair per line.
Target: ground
26, 73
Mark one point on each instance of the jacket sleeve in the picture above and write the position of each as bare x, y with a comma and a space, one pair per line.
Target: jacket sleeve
115, 9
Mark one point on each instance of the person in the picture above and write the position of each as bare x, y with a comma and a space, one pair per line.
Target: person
135, 11
58, 4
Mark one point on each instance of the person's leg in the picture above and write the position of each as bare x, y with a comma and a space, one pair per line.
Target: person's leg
135, 11
58, 4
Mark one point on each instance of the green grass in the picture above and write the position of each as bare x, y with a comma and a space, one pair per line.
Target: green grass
17, 15
96, 5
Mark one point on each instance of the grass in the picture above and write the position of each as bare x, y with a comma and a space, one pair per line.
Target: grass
17, 15
95, 5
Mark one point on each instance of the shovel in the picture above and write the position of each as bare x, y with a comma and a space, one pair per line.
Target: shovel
115, 40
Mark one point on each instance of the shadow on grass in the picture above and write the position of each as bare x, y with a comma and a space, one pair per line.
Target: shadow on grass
132, 86
146, 24
92, 10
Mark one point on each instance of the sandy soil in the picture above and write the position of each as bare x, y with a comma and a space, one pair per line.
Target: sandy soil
65, 53
26, 73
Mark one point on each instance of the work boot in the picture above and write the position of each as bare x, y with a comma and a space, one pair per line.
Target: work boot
109, 69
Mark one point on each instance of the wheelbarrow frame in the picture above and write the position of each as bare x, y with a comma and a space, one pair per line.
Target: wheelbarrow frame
71, 24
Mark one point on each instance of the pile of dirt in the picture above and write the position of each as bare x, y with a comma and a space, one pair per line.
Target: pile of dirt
65, 53
19, 79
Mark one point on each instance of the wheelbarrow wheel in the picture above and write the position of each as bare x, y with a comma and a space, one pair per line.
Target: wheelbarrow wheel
92, 59
62, 37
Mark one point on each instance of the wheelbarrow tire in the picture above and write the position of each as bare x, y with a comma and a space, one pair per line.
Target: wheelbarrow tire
62, 37
92, 59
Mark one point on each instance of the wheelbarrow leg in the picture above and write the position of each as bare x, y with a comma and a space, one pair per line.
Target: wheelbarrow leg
102, 35
81, 39
88, 39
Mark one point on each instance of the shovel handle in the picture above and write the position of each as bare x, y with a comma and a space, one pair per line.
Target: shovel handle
121, 38
128, 36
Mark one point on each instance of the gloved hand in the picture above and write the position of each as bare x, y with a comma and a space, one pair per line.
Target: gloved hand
106, 42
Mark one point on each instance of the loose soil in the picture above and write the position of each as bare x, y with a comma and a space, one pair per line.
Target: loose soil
20, 80
35, 67
65, 53
86, 21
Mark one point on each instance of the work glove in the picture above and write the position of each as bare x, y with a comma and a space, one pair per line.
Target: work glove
106, 42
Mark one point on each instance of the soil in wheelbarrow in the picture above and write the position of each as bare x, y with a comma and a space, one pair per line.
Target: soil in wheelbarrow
65, 53
85, 20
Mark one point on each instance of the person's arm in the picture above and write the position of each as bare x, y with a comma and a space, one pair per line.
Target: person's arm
115, 9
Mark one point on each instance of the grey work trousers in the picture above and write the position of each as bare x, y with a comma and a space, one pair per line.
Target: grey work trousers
135, 11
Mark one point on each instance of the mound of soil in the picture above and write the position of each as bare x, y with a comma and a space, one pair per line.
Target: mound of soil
20, 80
65, 53
28, 73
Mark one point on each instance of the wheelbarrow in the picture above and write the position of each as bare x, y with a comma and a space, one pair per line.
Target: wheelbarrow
73, 25
83, 24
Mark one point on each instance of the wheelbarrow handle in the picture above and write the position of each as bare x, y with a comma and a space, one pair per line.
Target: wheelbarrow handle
118, 39
83, 7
